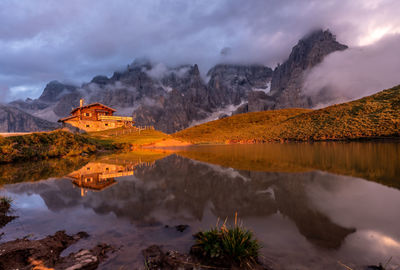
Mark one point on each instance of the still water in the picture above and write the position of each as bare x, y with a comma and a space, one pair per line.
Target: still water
310, 205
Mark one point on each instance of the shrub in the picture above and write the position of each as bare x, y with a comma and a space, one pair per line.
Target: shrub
227, 246
5, 201
37, 146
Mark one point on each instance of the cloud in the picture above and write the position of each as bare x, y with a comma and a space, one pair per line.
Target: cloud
356, 72
75, 40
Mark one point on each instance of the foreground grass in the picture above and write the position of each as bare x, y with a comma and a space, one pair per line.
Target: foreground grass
5, 205
227, 247
375, 116
38, 146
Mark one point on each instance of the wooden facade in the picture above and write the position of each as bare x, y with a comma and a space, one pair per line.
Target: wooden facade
95, 117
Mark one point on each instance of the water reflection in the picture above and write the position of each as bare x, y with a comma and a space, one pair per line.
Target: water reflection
99, 175
375, 161
303, 217
38, 170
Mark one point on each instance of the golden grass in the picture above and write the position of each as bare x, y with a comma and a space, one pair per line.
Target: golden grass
375, 116
43, 145
145, 137
248, 127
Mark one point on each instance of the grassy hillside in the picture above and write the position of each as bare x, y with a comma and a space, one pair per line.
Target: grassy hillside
370, 117
38, 146
248, 127
146, 138
121, 135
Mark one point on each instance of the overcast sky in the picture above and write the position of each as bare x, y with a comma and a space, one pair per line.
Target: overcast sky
74, 40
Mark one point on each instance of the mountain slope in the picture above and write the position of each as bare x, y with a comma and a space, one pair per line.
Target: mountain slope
15, 120
370, 117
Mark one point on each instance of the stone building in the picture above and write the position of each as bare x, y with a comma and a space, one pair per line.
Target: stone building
95, 117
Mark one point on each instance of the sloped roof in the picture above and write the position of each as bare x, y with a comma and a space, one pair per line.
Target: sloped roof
67, 118
91, 105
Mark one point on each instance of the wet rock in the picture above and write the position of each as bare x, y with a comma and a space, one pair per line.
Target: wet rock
181, 228
85, 259
156, 259
28, 254
375, 267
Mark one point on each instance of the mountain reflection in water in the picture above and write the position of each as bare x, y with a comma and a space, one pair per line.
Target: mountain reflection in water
301, 200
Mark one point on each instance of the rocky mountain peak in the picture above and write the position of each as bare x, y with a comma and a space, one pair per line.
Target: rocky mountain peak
311, 49
54, 90
100, 79
194, 71
287, 79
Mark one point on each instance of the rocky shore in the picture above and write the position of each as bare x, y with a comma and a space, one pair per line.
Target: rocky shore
46, 252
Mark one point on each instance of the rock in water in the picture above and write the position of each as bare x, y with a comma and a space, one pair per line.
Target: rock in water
39, 254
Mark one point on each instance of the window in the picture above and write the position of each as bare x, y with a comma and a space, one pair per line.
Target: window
88, 114
106, 124
87, 125
88, 180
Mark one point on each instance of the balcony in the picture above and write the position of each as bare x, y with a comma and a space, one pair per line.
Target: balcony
115, 118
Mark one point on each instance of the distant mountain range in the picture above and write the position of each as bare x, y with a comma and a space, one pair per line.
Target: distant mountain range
172, 99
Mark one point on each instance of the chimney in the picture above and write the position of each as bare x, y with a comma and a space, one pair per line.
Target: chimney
81, 102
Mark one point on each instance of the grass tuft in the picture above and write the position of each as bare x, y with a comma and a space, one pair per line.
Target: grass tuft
227, 246
5, 202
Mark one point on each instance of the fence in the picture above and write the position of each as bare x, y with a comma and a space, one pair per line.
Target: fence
131, 130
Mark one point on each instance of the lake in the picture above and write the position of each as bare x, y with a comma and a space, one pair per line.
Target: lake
311, 205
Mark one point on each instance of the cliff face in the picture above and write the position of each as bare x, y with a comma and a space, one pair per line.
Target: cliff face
172, 99
15, 120
287, 79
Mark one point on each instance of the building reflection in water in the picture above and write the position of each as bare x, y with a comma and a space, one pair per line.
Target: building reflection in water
97, 176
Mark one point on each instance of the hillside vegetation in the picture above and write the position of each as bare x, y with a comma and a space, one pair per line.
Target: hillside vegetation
44, 145
134, 138
121, 135
375, 116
